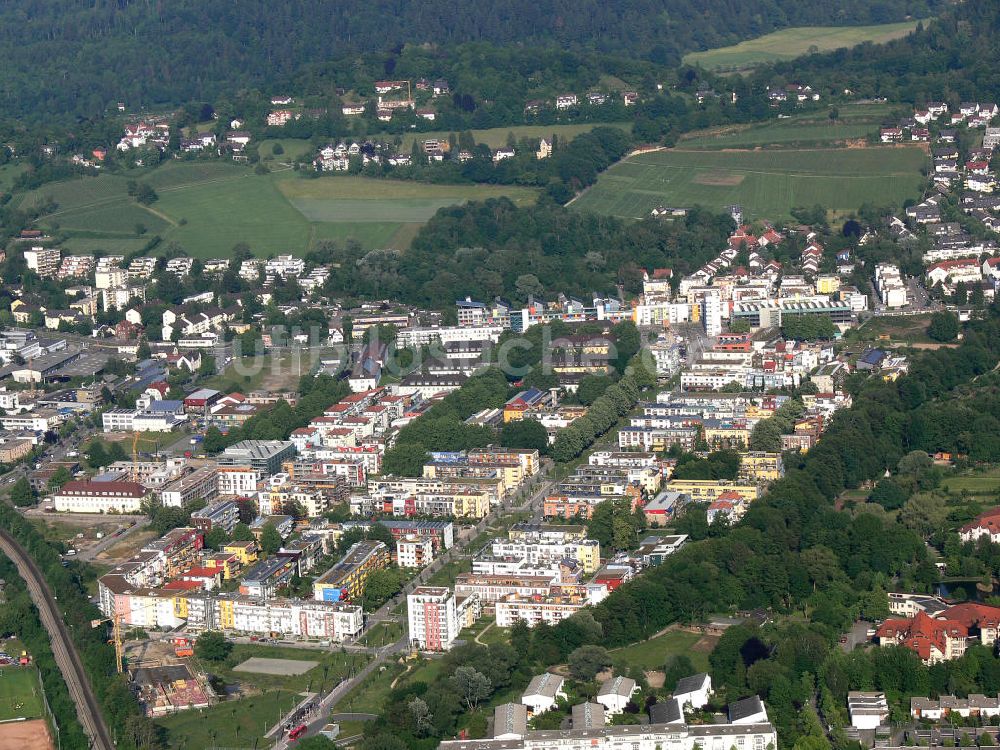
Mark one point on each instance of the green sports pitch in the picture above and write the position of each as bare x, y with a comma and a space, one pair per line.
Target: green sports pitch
20, 694
767, 183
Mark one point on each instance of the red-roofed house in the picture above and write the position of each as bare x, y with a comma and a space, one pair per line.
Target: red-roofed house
980, 620
932, 640
985, 525
954, 271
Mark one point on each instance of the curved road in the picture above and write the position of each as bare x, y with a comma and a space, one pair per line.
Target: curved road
87, 707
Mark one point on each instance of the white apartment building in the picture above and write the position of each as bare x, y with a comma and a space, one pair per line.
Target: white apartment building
43, 260
550, 609
99, 497
711, 313
432, 619
890, 285
414, 551
238, 480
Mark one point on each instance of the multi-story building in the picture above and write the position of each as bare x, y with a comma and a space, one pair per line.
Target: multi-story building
414, 551
238, 480
264, 455
666, 729
222, 515
346, 579
43, 260
84, 496
536, 551
551, 609
265, 578
441, 533
432, 619
200, 484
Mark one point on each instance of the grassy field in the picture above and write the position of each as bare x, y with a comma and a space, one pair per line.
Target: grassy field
20, 694
767, 183
335, 665
909, 329
210, 206
653, 654
790, 43
854, 122
240, 723
980, 483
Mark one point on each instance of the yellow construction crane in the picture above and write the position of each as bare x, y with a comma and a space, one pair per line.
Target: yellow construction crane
135, 456
116, 637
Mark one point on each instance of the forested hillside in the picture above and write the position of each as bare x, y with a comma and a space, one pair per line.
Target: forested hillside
953, 59
69, 57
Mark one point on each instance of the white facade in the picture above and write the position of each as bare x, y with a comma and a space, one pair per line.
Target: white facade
431, 617
238, 480
542, 693
615, 694
414, 552
711, 307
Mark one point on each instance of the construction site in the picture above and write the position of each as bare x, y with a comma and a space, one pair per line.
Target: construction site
161, 680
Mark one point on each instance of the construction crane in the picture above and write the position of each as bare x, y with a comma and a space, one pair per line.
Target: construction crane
116, 637
135, 456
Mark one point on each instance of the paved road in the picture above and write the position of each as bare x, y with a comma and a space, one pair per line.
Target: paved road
67, 659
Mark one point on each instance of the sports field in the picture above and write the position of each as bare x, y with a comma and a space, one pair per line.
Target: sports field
210, 206
20, 695
790, 43
854, 122
767, 183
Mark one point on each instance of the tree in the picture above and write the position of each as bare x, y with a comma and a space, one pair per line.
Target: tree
212, 646
524, 433
270, 539
59, 477
381, 586
405, 459
471, 684
242, 533
677, 668
420, 713
586, 661
944, 326
925, 513
21, 493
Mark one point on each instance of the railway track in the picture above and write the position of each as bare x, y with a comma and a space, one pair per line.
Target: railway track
87, 708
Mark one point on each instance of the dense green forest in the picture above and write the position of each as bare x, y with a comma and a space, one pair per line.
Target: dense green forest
952, 59
79, 58
495, 248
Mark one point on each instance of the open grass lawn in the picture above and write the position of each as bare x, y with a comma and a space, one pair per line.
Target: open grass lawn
382, 633
790, 43
369, 697
653, 654
980, 483
910, 329
337, 667
496, 137
209, 206
767, 183
295, 149
854, 122
239, 723
20, 693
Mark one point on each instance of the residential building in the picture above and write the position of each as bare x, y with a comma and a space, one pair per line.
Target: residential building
84, 496
346, 579
868, 710
543, 692
616, 693
432, 619
222, 515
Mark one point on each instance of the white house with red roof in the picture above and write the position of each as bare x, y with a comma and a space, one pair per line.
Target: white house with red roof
954, 271
932, 640
984, 525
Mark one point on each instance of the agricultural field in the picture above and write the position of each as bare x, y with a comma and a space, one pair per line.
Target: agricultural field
791, 43
768, 183
854, 122
207, 207
497, 137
